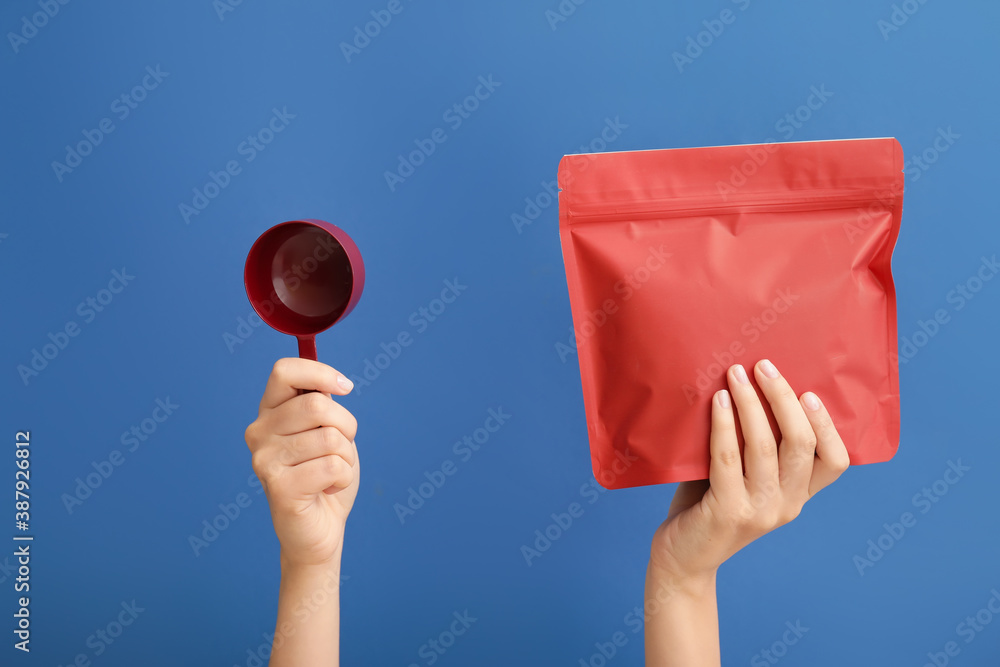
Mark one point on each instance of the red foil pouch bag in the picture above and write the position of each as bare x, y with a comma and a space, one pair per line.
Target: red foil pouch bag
682, 262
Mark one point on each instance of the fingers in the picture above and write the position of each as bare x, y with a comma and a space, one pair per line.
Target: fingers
291, 374
832, 458
271, 460
313, 444
726, 468
311, 477
309, 411
797, 450
760, 452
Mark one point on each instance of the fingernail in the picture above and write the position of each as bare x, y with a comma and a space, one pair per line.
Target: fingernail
811, 400
345, 383
768, 369
723, 397
741, 374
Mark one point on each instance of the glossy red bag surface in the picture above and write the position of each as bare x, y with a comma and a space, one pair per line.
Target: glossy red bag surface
682, 262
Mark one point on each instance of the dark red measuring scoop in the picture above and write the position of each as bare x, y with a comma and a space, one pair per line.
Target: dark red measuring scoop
302, 277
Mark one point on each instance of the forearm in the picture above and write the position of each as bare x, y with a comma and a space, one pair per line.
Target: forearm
682, 620
307, 633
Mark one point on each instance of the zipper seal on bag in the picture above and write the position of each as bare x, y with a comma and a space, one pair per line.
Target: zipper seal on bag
651, 209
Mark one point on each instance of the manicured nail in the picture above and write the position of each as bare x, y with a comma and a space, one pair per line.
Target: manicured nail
344, 383
768, 369
811, 400
723, 397
741, 374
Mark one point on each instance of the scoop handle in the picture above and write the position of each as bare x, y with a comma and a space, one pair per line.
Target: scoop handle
307, 347
307, 350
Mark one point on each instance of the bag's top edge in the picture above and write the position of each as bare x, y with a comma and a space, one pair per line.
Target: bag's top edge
598, 184
760, 143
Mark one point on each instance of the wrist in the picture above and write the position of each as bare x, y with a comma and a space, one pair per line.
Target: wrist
291, 566
666, 577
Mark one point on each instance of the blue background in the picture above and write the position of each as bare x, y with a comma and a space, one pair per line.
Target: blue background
163, 335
